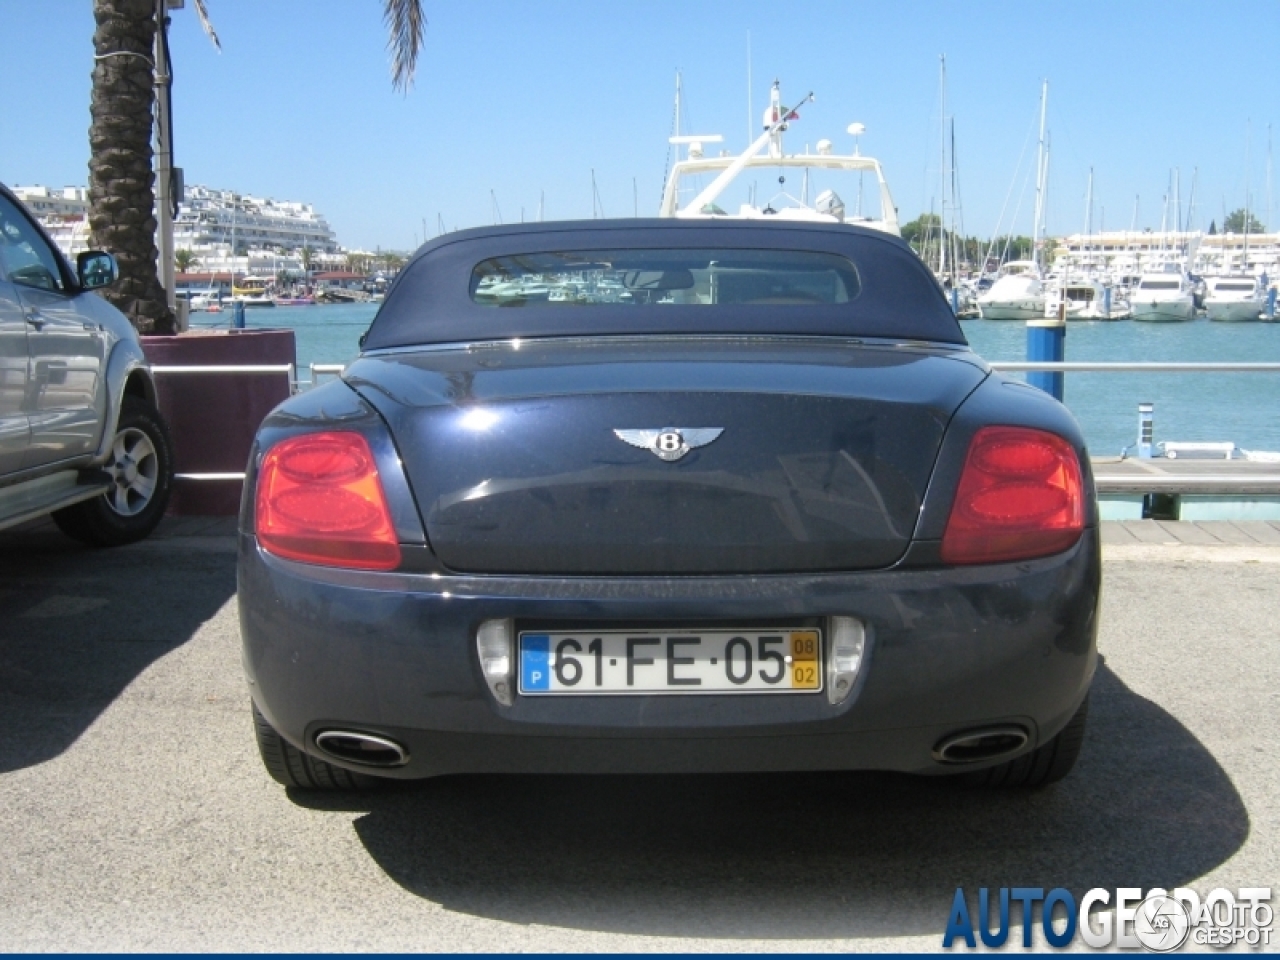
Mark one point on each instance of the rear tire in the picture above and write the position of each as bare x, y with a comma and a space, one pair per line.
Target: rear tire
293, 768
1046, 764
141, 466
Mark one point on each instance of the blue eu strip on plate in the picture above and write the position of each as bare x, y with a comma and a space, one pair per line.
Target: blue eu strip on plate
535, 662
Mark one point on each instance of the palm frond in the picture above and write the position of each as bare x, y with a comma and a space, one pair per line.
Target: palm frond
405, 26
203, 14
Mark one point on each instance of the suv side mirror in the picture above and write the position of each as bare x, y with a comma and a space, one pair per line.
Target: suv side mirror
96, 269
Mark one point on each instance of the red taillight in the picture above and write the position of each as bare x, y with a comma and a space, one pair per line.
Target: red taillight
320, 501
1020, 496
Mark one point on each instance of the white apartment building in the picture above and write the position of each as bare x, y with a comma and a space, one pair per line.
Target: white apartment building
267, 234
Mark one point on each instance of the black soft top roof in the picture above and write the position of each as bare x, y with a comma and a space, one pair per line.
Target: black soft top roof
430, 301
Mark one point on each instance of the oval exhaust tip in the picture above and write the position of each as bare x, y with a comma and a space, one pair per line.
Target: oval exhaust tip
988, 743
362, 748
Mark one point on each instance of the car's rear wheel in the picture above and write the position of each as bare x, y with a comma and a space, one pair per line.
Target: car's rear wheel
141, 469
1046, 764
293, 768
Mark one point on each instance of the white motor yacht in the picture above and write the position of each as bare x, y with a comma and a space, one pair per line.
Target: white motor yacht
1234, 298
1017, 294
807, 171
1163, 298
1086, 299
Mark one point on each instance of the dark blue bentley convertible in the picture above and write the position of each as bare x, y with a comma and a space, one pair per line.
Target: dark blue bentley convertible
659, 495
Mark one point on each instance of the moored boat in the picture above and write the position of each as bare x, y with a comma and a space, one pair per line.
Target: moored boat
826, 207
1087, 298
1017, 294
1163, 298
1234, 299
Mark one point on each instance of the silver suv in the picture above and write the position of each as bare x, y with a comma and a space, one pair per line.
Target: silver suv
80, 435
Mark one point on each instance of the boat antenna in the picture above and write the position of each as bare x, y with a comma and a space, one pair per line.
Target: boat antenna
497, 211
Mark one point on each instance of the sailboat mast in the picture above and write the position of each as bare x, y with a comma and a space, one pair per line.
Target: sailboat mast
1037, 227
677, 111
1248, 142
942, 167
1191, 201
1269, 210
1088, 215
1177, 203
957, 215
233, 243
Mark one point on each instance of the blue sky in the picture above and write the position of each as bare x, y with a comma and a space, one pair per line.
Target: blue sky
523, 99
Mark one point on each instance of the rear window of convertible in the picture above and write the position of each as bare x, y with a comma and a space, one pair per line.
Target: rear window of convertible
668, 277
698, 277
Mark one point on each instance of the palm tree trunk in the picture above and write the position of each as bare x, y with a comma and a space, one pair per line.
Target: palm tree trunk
121, 179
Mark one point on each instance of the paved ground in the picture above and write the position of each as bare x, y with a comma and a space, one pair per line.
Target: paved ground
134, 814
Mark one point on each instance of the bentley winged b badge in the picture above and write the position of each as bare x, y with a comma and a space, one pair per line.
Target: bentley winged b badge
670, 443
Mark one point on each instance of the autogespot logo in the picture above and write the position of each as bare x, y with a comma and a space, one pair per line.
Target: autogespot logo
1159, 920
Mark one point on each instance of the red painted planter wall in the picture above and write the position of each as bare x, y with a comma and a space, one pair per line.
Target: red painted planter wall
213, 417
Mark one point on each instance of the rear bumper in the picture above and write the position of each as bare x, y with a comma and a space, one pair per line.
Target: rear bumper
394, 655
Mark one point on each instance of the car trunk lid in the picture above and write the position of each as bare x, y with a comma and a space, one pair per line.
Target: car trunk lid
545, 457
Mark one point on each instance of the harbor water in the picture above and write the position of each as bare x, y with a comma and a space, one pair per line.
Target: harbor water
1242, 408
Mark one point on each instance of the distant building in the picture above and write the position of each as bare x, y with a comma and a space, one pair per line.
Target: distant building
269, 236
340, 278
1131, 251
44, 202
211, 220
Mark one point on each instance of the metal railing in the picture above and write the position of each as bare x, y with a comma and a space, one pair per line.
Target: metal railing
1154, 366
288, 369
324, 369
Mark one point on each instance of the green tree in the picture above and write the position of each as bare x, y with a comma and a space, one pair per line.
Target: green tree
1235, 222
184, 260
121, 176
308, 258
921, 229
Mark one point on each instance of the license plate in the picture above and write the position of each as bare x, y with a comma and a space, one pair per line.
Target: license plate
670, 661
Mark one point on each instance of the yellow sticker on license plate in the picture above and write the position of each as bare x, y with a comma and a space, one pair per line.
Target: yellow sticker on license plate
804, 645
